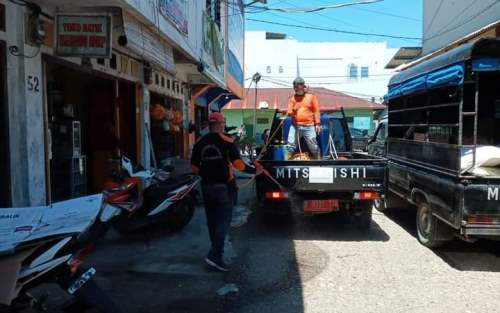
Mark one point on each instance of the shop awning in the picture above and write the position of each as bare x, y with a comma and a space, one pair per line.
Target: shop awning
216, 98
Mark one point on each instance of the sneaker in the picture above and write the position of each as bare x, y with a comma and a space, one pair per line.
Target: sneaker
217, 264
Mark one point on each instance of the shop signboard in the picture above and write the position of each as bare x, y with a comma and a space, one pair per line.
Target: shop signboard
235, 42
83, 36
213, 42
176, 12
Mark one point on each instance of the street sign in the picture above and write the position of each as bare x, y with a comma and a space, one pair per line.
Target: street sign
83, 36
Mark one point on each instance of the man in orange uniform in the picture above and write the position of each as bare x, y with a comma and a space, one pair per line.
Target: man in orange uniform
303, 107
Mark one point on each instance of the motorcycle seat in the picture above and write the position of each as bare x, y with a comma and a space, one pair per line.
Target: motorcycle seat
176, 182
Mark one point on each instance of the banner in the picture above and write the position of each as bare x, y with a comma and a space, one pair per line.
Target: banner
176, 12
213, 41
83, 36
235, 39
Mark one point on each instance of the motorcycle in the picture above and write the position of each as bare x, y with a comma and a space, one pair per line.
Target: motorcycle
52, 251
166, 201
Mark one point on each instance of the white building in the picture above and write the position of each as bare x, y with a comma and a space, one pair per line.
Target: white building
446, 22
355, 68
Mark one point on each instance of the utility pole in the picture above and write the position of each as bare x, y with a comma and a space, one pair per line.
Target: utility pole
256, 78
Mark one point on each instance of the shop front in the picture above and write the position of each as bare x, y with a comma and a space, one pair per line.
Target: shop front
91, 121
167, 132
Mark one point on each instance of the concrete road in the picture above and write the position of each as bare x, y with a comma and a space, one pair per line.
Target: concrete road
320, 264
301, 264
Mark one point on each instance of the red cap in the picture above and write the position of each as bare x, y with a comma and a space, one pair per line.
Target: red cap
216, 117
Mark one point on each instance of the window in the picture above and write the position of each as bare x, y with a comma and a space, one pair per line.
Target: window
157, 79
163, 81
100, 61
268, 69
365, 72
281, 69
262, 120
168, 83
353, 71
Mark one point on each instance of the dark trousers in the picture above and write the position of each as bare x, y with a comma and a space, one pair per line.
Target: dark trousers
219, 209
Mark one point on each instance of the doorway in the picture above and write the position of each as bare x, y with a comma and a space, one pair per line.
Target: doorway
89, 127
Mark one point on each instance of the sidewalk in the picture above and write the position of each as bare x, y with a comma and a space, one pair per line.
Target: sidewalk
162, 273
165, 274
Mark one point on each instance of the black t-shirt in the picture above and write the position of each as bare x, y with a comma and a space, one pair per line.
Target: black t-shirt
214, 155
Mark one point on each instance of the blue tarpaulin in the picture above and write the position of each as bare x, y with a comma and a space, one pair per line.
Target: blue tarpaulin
413, 85
448, 76
486, 64
452, 75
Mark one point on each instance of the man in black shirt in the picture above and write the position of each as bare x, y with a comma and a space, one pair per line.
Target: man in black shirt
213, 158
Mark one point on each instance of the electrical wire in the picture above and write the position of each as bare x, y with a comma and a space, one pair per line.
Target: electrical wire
449, 28
333, 30
339, 94
14, 50
319, 8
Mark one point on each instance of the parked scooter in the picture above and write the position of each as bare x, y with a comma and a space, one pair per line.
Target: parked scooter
166, 201
52, 251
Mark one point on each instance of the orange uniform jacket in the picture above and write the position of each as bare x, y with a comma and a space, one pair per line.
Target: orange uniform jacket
304, 110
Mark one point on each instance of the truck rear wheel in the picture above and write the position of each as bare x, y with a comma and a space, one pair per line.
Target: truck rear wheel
363, 217
380, 205
431, 232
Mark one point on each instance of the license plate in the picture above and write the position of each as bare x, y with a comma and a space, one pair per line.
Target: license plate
80, 281
321, 206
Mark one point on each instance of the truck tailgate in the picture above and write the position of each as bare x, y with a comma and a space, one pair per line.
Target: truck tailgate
328, 175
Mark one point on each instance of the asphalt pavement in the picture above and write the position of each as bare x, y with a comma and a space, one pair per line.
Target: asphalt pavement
299, 264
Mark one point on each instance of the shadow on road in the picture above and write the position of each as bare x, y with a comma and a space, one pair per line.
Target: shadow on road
335, 227
268, 270
483, 255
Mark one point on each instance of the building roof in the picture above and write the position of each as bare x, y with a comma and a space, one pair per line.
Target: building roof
404, 55
277, 98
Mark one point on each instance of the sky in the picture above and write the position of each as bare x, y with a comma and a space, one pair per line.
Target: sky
391, 17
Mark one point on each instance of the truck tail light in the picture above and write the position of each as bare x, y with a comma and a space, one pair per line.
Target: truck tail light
277, 195
366, 195
480, 219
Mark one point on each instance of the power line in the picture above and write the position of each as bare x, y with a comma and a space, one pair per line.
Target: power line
319, 8
384, 13
344, 94
434, 17
389, 14
322, 15
326, 76
333, 30
463, 22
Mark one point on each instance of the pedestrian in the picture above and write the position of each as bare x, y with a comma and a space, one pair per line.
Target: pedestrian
303, 108
213, 157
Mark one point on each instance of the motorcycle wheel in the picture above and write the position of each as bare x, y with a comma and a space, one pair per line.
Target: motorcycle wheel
177, 217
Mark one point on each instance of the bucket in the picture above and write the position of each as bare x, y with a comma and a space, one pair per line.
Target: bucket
279, 153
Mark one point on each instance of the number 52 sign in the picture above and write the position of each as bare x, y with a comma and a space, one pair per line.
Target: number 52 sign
33, 83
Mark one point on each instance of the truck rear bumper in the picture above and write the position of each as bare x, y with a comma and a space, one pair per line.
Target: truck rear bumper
480, 230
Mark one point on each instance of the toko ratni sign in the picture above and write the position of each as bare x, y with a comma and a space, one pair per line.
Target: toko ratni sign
83, 36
